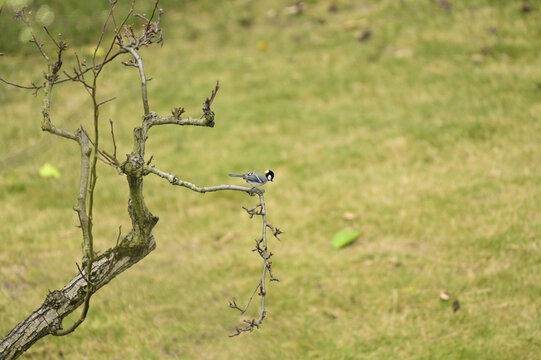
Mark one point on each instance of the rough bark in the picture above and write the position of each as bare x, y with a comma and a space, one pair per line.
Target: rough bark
60, 303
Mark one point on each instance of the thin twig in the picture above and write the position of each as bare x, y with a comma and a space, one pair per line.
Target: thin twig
51, 37
253, 211
209, 101
275, 231
112, 3
150, 159
46, 124
234, 305
103, 29
139, 63
91, 68
106, 101
39, 46
33, 87
107, 158
113, 136
115, 249
78, 78
106, 58
262, 250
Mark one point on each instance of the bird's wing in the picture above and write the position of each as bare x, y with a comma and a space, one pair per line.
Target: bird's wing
255, 177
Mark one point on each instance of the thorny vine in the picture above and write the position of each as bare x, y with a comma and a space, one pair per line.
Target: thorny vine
125, 40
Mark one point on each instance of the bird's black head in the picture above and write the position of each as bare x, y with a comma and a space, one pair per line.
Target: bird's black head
269, 174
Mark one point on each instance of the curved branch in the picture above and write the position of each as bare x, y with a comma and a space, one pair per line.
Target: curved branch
260, 247
174, 180
46, 124
85, 224
139, 64
33, 87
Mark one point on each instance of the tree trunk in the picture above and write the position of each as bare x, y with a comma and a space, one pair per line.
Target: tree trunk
59, 303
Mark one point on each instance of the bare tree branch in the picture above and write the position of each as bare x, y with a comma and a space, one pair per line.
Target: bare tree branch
261, 248
40, 45
174, 180
46, 124
172, 120
60, 303
28, 87
106, 101
103, 30
52, 39
139, 64
107, 158
113, 137
77, 77
206, 119
233, 304
85, 226
91, 68
88, 185
131, 43
209, 101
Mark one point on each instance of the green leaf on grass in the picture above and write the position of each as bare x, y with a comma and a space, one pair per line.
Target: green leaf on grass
343, 238
49, 171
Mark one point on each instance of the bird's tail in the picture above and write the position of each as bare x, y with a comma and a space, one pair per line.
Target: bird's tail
235, 175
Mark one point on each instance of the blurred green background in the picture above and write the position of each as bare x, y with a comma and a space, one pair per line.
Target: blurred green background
416, 123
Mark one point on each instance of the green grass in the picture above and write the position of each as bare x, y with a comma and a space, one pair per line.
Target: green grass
428, 132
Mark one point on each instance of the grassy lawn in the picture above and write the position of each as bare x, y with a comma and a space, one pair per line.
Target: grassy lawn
418, 126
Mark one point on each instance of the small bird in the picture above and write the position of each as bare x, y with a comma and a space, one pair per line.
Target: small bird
256, 179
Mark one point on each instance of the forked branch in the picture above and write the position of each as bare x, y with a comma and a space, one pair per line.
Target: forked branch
206, 119
261, 246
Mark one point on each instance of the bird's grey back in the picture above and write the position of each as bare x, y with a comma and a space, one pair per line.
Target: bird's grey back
252, 176
255, 176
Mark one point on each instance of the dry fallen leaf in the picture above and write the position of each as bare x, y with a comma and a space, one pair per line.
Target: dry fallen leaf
271, 14
477, 58
295, 9
403, 53
355, 24
444, 295
350, 216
